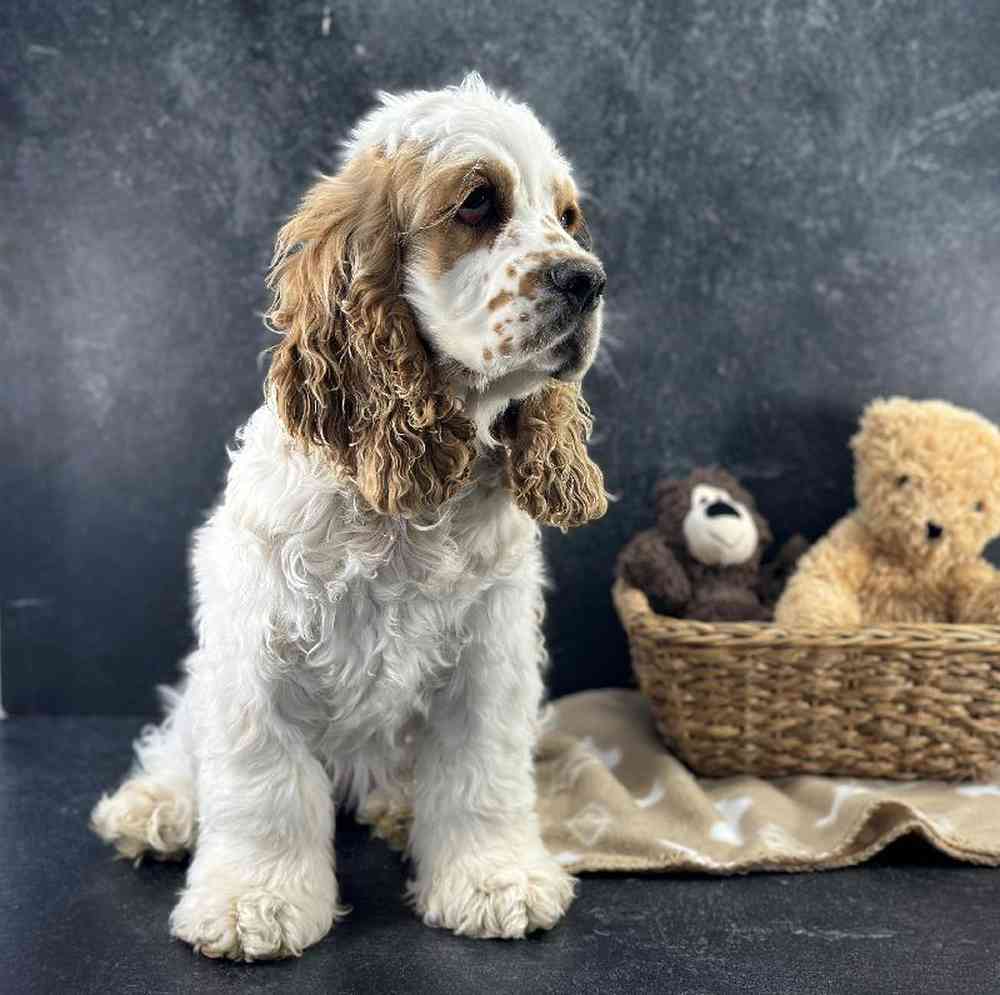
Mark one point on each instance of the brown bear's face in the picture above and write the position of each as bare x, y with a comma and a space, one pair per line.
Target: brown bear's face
927, 479
712, 516
719, 529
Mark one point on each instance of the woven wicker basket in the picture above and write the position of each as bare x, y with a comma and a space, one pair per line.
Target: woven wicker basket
896, 701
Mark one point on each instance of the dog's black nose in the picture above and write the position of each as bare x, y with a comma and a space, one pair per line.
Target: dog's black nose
934, 531
582, 283
719, 508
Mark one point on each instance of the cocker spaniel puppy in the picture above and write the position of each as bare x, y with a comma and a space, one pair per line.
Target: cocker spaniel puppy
369, 590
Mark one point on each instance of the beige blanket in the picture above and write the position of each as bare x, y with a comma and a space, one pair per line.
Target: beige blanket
611, 798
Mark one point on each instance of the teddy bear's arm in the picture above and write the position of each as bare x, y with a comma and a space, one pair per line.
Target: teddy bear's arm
824, 588
648, 563
976, 593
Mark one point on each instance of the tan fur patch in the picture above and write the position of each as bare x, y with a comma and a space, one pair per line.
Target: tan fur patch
504, 297
529, 283
487, 355
506, 346
563, 193
564, 199
443, 238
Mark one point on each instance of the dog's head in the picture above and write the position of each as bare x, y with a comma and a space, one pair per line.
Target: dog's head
437, 294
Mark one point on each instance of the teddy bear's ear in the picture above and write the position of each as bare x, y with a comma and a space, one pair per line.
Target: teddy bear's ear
718, 477
673, 499
669, 490
880, 421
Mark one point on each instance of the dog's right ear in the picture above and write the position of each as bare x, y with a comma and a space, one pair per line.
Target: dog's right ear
549, 472
351, 375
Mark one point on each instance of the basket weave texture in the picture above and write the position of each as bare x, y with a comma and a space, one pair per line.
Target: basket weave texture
892, 701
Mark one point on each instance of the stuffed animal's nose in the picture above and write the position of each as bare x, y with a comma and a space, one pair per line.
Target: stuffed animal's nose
717, 509
582, 283
934, 531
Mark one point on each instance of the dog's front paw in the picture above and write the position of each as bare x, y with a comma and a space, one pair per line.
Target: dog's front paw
249, 924
147, 816
493, 899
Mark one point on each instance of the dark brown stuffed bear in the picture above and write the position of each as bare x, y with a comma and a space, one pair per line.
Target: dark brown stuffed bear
703, 559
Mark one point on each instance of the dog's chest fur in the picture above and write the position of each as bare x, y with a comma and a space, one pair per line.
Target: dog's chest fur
369, 616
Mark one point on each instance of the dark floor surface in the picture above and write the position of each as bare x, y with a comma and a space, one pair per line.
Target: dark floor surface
72, 920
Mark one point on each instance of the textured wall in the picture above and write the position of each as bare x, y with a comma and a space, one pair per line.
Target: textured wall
798, 205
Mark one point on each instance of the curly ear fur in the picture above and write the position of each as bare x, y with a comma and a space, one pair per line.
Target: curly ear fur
351, 374
548, 470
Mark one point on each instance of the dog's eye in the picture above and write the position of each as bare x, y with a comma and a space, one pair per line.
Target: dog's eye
477, 207
980, 506
568, 218
902, 481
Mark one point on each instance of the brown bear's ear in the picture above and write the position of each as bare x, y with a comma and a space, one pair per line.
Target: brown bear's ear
669, 489
717, 477
673, 501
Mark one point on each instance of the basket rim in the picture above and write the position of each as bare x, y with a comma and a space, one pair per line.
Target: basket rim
634, 610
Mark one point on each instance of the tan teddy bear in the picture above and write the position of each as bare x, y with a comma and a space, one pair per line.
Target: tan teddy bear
927, 484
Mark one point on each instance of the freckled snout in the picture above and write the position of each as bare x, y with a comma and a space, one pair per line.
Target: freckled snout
579, 281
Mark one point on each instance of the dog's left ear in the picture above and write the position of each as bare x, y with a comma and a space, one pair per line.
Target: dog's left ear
351, 377
549, 472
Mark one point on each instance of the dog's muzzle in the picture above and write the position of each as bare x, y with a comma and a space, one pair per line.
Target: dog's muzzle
579, 285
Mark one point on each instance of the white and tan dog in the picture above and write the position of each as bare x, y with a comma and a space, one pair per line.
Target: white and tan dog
369, 590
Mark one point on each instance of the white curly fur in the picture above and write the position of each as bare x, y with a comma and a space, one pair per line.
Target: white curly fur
340, 650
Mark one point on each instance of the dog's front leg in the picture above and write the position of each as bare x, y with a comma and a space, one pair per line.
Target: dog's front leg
261, 884
481, 867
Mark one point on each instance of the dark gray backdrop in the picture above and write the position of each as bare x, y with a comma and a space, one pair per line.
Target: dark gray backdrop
798, 204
